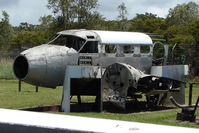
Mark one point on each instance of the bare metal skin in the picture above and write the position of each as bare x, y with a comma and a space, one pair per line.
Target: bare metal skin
127, 68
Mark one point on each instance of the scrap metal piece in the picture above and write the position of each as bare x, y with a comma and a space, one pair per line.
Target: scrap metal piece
121, 80
117, 79
187, 114
181, 106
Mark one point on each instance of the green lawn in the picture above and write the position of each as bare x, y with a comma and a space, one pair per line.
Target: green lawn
12, 99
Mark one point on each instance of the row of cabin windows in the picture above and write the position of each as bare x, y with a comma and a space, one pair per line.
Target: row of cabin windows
127, 49
92, 46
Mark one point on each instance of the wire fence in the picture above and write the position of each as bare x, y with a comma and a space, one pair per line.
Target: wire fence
9, 54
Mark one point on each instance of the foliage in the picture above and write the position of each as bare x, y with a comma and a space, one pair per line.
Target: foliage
46, 22
123, 22
194, 30
6, 31
27, 39
63, 8
83, 9
122, 12
95, 21
72, 10
6, 69
183, 14
148, 23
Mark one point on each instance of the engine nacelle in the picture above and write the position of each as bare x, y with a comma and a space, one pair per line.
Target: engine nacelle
117, 79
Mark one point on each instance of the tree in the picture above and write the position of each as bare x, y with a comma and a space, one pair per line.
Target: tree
183, 30
27, 39
84, 11
96, 21
148, 23
71, 10
122, 12
27, 27
63, 8
193, 29
46, 22
6, 30
123, 23
183, 14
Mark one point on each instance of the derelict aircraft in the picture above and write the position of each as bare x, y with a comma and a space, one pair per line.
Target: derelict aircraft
125, 59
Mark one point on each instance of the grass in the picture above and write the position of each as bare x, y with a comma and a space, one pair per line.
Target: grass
166, 117
6, 71
10, 98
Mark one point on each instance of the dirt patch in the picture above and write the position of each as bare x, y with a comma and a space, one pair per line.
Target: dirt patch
45, 108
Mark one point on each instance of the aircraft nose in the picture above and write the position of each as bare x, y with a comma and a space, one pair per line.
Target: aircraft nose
30, 65
20, 67
44, 65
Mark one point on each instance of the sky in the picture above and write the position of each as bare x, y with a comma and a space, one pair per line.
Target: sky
31, 10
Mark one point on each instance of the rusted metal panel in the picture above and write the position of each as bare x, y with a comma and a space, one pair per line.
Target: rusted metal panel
77, 72
176, 72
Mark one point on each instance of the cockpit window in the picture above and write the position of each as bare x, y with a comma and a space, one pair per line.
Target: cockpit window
90, 47
69, 41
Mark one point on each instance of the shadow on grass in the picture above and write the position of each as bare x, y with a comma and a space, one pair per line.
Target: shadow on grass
131, 107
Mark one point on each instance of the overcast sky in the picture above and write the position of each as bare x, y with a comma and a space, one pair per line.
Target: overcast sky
31, 10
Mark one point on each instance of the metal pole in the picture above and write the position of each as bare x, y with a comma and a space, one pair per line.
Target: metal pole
100, 97
173, 53
79, 99
37, 88
19, 89
196, 105
190, 93
166, 49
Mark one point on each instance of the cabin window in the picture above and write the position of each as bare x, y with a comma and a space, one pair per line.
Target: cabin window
90, 47
128, 49
145, 49
110, 49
